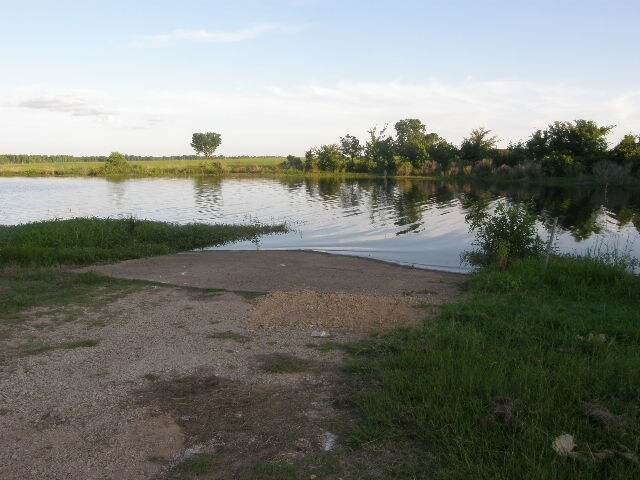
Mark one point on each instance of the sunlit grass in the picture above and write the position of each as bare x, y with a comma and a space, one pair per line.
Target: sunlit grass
486, 389
145, 168
91, 240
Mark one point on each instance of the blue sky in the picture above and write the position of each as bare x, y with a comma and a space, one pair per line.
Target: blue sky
279, 76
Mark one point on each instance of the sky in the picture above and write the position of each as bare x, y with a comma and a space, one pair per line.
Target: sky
275, 77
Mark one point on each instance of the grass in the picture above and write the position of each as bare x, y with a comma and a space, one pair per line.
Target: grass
283, 363
80, 344
84, 241
329, 346
249, 294
520, 360
30, 350
312, 466
147, 168
196, 465
26, 288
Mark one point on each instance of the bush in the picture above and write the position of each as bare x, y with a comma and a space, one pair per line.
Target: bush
613, 173
116, 163
404, 169
292, 162
557, 164
484, 166
428, 168
508, 234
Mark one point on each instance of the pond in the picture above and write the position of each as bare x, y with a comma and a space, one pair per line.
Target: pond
409, 221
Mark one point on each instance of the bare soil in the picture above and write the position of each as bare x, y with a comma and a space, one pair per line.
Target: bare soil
177, 373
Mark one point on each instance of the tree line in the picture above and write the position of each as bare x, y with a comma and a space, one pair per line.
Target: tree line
562, 149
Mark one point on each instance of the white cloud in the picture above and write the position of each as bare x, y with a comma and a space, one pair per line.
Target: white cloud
282, 120
205, 36
73, 104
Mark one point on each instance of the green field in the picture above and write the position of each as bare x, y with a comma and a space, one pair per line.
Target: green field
145, 168
82, 241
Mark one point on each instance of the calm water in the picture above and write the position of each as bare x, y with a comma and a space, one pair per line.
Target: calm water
412, 222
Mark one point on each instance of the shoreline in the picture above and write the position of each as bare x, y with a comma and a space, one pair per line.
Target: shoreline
201, 169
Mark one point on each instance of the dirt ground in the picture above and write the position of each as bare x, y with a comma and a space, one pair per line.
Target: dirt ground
175, 382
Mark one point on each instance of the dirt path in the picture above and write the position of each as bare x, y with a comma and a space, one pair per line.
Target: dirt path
268, 271
174, 382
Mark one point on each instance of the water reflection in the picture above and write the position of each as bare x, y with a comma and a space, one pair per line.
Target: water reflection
208, 197
408, 221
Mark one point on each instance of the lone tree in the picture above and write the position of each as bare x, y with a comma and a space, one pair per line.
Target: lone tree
116, 160
205, 143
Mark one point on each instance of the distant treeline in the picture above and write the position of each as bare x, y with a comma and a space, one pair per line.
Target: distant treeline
19, 159
563, 149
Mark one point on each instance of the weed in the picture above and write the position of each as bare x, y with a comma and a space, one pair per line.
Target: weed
196, 465
283, 363
249, 295
80, 344
36, 350
53, 288
507, 235
328, 346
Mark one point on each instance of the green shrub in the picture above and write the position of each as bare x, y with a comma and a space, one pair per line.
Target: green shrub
508, 234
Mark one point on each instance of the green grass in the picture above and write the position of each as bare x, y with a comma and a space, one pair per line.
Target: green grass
25, 288
249, 295
31, 349
329, 346
283, 363
84, 241
147, 168
314, 465
484, 391
196, 465
80, 344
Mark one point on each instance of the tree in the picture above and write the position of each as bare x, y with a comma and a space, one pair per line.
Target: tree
293, 162
205, 143
310, 160
478, 145
583, 140
440, 150
380, 149
411, 141
330, 158
116, 160
350, 147
627, 151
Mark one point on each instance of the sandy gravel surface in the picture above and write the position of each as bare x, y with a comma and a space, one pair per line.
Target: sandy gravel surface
268, 271
178, 371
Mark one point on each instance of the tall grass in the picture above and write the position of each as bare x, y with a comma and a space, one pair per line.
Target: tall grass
483, 392
91, 240
145, 168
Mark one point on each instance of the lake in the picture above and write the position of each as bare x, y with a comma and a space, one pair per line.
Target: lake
407, 221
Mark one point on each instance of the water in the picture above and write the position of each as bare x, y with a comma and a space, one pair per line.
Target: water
414, 222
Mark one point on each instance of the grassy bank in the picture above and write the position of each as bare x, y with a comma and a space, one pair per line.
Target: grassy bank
147, 168
263, 166
526, 356
84, 241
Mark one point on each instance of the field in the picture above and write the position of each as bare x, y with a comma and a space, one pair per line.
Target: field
145, 168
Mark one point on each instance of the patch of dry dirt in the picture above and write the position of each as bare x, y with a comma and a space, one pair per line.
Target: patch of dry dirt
178, 372
341, 311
